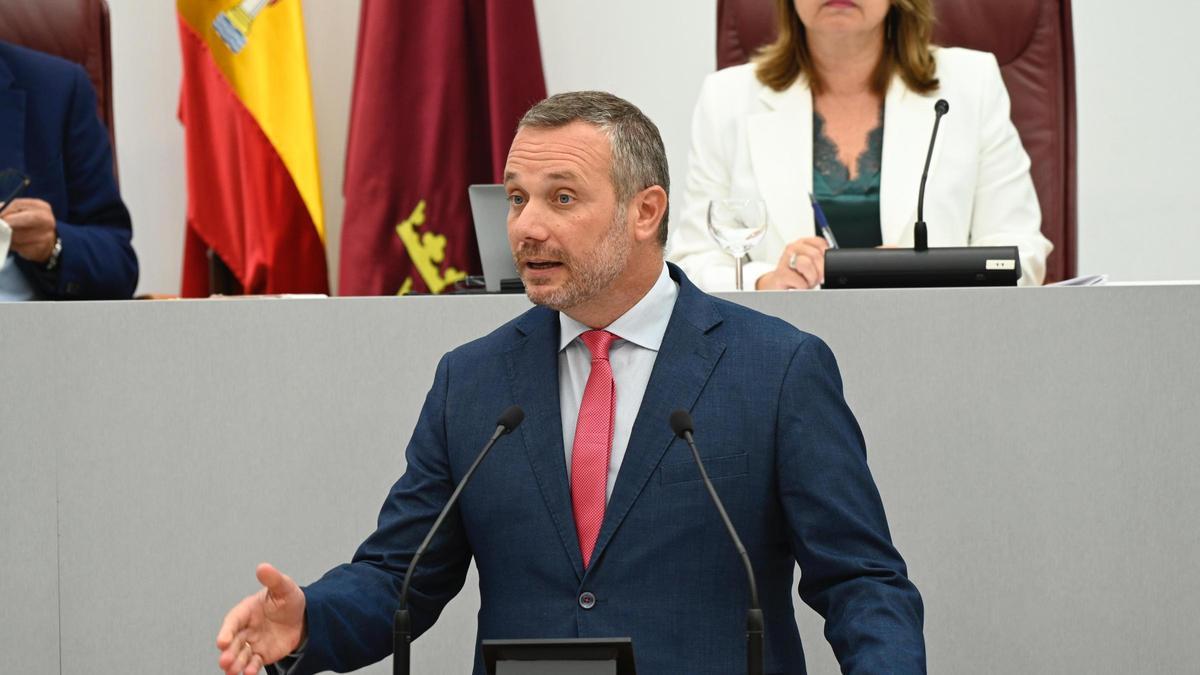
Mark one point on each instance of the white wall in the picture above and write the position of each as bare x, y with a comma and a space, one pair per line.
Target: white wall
1137, 92
1139, 139
145, 46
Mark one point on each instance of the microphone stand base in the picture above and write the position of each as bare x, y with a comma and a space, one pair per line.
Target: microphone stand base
932, 268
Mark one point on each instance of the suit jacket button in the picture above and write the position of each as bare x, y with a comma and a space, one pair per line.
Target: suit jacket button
587, 600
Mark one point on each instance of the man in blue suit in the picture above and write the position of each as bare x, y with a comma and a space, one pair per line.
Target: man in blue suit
591, 520
71, 235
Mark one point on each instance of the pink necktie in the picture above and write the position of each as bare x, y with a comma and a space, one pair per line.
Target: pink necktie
593, 443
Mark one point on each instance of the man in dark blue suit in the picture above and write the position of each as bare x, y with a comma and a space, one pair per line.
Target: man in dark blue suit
591, 520
71, 236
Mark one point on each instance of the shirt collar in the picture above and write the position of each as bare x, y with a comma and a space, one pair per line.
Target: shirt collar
644, 324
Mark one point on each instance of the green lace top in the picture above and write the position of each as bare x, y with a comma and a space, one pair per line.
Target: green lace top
851, 206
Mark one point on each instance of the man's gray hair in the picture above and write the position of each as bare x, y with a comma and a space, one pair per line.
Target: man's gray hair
639, 158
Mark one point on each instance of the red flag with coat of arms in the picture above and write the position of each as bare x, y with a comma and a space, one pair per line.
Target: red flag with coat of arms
439, 88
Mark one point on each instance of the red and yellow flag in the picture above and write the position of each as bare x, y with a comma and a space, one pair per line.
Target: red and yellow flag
254, 190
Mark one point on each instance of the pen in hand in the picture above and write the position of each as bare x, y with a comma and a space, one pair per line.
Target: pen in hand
16, 192
822, 223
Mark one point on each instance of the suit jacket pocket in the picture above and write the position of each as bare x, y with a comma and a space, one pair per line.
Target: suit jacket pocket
717, 467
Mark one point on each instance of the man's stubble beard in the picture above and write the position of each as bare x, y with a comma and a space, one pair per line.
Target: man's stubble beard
587, 277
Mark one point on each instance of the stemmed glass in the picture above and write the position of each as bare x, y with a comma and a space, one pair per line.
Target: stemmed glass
737, 225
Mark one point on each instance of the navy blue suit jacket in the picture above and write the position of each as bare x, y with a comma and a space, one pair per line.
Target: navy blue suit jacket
781, 445
49, 129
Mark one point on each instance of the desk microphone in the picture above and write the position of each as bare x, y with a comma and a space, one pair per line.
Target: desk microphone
920, 231
921, 266
402, 622
681, 424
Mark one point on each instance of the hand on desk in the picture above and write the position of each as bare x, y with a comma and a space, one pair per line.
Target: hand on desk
264, 627
34, 228
802, 265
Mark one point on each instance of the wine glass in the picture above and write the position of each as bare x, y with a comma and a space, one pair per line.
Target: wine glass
737, 225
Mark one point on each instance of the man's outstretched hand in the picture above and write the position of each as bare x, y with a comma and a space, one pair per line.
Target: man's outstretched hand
264, 627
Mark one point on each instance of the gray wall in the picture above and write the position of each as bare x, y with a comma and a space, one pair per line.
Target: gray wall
1035, 449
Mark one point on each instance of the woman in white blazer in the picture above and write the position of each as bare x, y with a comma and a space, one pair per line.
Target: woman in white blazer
862, 72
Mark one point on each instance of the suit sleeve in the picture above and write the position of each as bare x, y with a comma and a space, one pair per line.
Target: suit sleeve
851, 573
710, 161
1006, 211
349, 610
98, 261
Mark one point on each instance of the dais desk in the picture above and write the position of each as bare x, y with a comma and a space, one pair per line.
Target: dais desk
1038, 451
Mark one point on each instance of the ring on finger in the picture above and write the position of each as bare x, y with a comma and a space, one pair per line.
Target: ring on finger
792, 261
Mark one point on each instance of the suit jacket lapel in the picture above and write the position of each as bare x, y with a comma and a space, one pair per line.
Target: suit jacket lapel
780, 141
533, 375
907, 126
685, 361
12, 123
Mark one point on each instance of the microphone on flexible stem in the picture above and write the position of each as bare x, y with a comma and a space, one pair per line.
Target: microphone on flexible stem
402, 622
920, 231
681, 424
921, 266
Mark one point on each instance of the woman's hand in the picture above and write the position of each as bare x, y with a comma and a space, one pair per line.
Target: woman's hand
802, 265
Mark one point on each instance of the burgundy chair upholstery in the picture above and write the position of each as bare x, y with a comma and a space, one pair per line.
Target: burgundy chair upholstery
1032, 40
76, 30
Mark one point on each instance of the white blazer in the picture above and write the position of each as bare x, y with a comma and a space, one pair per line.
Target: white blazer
753, 142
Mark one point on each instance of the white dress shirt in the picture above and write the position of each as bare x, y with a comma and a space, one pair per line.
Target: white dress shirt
641, 331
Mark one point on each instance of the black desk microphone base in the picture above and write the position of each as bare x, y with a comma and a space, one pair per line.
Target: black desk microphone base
931, 268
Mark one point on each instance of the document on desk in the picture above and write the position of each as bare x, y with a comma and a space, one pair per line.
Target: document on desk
1089, 280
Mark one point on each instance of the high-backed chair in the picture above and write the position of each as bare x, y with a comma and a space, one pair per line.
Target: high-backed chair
76, 30
1032, 40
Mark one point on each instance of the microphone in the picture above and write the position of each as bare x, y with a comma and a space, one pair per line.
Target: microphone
921, 266
681, 424
920, 231
402, 622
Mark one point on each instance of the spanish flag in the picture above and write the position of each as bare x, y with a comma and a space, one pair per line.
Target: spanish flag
254, 191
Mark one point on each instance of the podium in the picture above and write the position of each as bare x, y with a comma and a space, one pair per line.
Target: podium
577, 656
